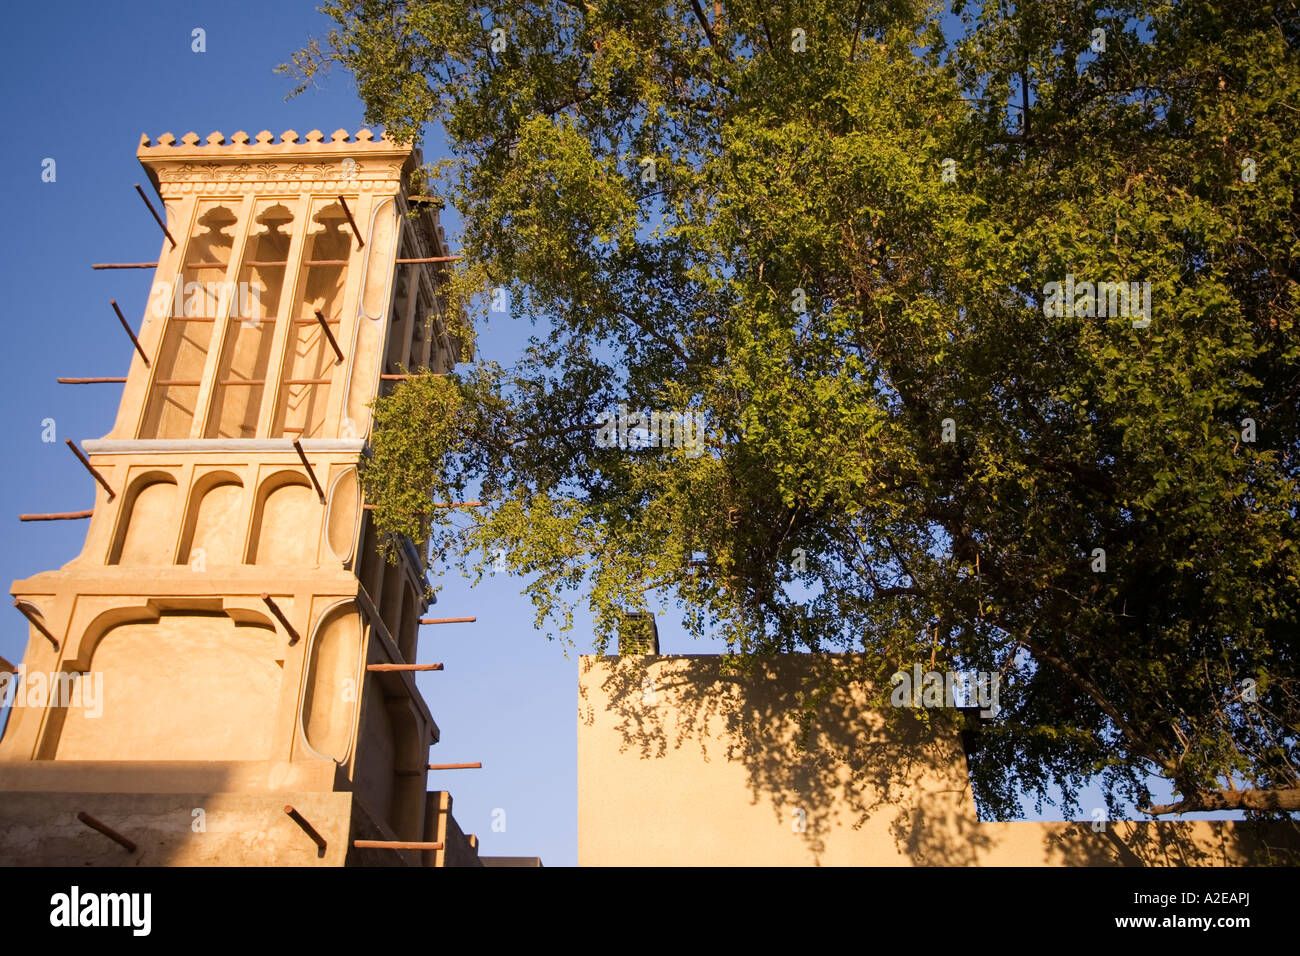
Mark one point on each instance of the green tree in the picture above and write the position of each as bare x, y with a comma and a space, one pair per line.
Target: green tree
832, 229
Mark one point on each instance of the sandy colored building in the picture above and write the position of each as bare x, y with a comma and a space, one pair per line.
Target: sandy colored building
685, 761
228, 644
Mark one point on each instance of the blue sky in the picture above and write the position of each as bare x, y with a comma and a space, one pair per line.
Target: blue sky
82, 81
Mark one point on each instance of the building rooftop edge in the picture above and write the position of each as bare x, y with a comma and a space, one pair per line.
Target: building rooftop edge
217, 146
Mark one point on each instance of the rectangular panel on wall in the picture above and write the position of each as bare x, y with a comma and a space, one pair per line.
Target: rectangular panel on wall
199, 296
246, 352
399, 336
309, 359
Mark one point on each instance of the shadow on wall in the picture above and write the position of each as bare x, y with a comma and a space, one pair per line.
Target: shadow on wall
1171, 843
732, 761
825, 767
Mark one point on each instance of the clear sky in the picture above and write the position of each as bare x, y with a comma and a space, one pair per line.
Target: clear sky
82, 81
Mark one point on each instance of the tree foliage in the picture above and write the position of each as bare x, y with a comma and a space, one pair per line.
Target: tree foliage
797, 155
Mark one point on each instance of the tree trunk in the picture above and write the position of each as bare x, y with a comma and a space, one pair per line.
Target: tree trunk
1233, 800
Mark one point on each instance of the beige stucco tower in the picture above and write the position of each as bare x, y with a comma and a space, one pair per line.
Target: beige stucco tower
232, 629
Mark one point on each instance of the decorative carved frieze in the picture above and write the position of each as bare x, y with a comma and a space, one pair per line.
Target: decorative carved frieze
303, 165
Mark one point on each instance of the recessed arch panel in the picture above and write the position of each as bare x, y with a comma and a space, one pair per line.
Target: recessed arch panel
186, 686
286, 527
215, 525
146, 528
344, 510
331, 690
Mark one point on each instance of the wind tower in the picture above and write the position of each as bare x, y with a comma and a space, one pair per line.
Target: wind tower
229, 664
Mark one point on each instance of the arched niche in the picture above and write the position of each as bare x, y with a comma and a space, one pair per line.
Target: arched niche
367, 353
187, 685
385, 225
147, 521
286, 524
213, 530
79, 655
332, 686
341, 519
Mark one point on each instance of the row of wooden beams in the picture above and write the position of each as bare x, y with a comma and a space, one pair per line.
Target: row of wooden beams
314, 835
103, 482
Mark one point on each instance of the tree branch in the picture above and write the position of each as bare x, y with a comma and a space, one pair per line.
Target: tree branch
857, 27
1138, 744
708, 30
1285, 800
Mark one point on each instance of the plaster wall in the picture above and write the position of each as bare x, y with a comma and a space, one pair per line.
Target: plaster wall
237, 829
681, 763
